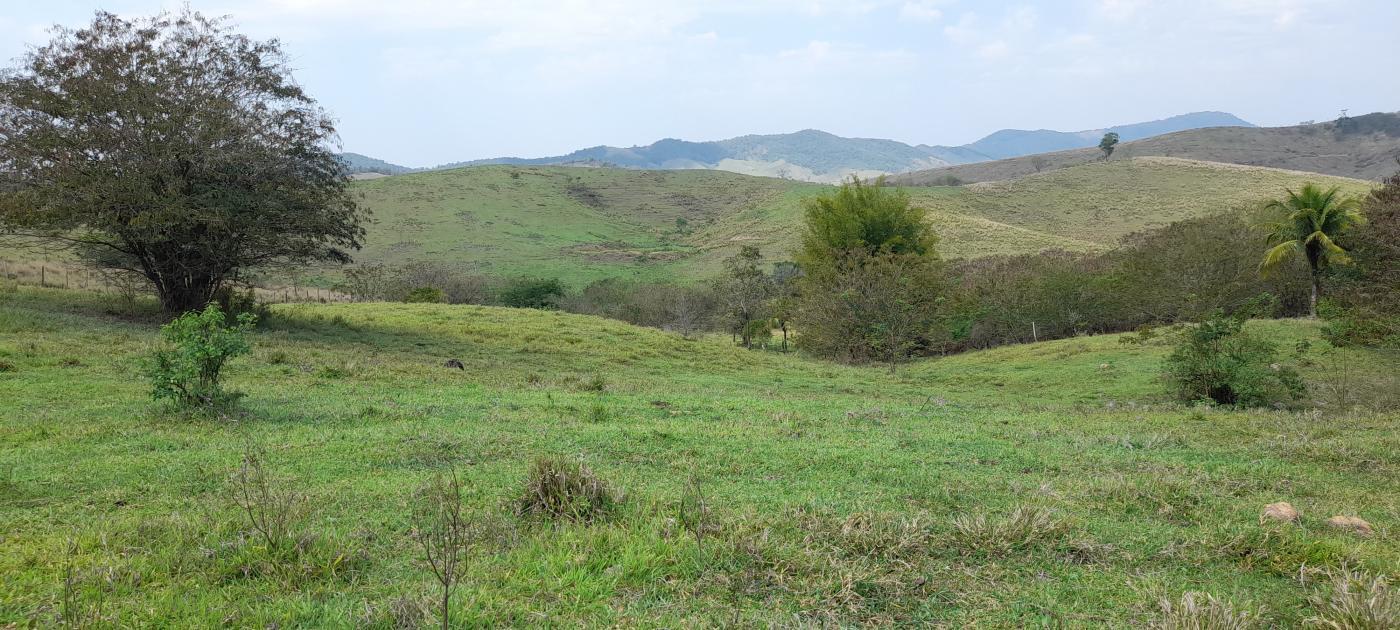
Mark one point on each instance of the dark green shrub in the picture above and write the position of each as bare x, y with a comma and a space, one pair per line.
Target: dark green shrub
757, 333
1364, 298
1219, 361
425, 295
542, 293
559, 488
187, 371
1358, 326
234, 303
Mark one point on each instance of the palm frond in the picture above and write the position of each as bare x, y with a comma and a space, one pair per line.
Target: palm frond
1334, 252
1277, 256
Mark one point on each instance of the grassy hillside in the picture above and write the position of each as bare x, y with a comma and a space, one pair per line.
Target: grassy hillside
586, 223
1365, 148
834, 493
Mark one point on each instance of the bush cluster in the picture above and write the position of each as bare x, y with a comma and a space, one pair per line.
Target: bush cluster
1221, 362
1181, 272
199, 343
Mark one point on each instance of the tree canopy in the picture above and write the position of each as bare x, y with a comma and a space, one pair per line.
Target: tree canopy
1312, 220
1108, 143
173, 148
859, 216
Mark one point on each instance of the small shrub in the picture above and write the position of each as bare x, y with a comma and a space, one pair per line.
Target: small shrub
542, 293
200, 343
599, 412
1025, 527
271, 510
1357, 600
559, 488
595, 383
236, 303
443, 533
334, 371
81, 603
693, 514
1202, 611
1282, 551
1358, 327
1219, 361
425, 295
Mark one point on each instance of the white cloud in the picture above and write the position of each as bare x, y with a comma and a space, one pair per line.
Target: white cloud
921, 11
994, 50
964, 32
1119, 9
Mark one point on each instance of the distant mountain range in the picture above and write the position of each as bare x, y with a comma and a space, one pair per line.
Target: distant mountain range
813, 155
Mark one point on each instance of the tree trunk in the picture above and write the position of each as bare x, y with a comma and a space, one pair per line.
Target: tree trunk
186, 294
446, 597
1312, 299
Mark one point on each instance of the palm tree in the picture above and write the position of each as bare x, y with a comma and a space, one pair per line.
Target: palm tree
1313, 220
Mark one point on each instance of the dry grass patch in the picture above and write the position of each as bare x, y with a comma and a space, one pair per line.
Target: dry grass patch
1202, 611
566, 489
1026, 526
1357, 600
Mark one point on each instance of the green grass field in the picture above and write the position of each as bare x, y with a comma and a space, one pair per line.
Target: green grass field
835, 493
581, 224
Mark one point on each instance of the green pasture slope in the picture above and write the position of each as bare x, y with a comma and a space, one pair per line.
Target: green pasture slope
833, 490
581, 224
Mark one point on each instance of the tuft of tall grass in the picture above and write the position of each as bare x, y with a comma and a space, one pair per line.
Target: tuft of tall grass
1357, 600
1026, 526
565, 489
1202, 611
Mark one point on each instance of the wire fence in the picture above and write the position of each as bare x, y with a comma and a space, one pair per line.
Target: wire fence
57, 275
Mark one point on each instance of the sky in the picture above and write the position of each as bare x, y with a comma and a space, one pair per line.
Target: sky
423, 82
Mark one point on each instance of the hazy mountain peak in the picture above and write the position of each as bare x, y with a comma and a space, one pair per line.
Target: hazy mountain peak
817, 155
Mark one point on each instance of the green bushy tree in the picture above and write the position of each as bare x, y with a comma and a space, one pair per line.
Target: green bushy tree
871, 278
1220, 361
1364, 306
745, 291
1108, 143
199, 343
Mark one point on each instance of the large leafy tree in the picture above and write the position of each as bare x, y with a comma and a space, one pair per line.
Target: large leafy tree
871, 277
1312, 220
173, 148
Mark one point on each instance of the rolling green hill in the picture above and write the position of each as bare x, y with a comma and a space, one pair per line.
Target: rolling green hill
586, 223
1363, 147
835, 496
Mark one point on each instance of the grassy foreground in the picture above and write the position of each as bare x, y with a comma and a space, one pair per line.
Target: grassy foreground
836, 493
